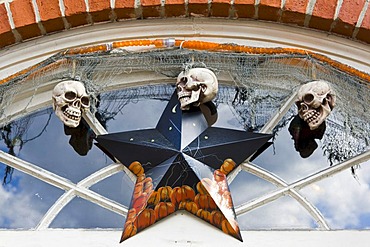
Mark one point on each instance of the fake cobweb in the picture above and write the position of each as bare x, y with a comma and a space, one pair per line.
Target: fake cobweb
255, 86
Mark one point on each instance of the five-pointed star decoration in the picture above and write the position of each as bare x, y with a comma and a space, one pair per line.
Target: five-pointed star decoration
181, 164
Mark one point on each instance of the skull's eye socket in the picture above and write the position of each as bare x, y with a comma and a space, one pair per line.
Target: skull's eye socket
308, 98
329, 98
184, 80
70, 95
85, 101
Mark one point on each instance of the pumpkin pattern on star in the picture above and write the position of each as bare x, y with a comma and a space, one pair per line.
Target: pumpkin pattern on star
150, 205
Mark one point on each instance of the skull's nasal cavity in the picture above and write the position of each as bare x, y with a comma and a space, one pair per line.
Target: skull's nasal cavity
77, 103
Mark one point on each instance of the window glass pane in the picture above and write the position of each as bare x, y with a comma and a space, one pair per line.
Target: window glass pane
292, 158
246, 187
252, 89
41, 139
344, 200
80, 213
284, 213
283, 160
133, 108
24, 200
141, 107
117, 187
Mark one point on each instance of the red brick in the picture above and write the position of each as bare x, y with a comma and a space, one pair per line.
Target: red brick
6, 38
24, 18
53, 25
198, 1
175, 2
348, 16
48, 9
22, 12
198, 8
244, 2
50, 15
366, 21
125, 9
244, 8
125, 4
294, 12
6, 35
325, 8
100, 10
364, 31
73, 7
220, 8
296, 5
363, 35
174, 8
101, 16
269, 10
4, 21
323, 14
75, 12
98, 5
350, 11
221, 1
151, 8
150, 2
271, 3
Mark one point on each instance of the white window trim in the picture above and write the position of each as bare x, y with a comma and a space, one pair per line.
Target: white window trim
251, 33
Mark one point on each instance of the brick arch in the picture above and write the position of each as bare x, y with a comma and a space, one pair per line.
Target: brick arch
24, 19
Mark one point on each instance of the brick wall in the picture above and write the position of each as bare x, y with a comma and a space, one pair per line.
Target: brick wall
24, 19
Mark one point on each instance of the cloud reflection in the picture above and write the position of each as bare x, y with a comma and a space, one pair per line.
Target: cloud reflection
343, 200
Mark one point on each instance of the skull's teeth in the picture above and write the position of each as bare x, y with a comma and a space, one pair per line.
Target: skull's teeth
183, 94
184, 99
73, 115
311, 116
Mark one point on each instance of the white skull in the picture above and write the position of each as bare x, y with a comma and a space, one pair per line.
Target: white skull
69, 101
315, 102
196, 86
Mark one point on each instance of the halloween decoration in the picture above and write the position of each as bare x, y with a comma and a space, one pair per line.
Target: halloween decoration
70, 100
304, 137
189, 206
315, 101
163, 209
196, 86
227, 166
182, 194
81, 137
136, 168
181, 159
145, 218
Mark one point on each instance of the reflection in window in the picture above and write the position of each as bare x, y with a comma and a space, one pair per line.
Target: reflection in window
25, 200
80, 213
343, 200
247, 187
284, 213
253, 88
117, 187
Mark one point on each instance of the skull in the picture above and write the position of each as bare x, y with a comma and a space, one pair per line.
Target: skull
315, 102
196, 86
69, 101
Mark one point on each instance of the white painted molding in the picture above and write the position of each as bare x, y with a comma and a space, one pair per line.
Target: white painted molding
242, 32
190, 231
182, 229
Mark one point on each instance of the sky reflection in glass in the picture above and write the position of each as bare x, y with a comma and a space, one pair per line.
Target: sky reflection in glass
343, 200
